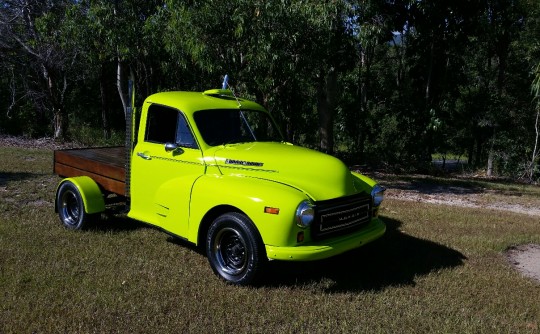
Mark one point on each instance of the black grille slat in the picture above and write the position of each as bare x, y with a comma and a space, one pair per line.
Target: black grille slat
341, 215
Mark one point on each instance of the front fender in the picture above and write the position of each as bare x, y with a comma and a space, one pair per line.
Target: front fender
363, 183
250, 196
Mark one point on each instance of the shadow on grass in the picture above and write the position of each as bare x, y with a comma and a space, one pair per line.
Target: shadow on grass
119, 223
116, 224
394, 260
6, 177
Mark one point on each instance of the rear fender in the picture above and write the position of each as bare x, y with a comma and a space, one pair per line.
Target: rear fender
90, 193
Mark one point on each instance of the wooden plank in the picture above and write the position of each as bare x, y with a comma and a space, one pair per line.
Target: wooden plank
106, 183
108, 162
104, 165
108, 155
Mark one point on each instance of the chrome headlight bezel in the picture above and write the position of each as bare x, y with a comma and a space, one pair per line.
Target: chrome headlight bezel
377, 193
305, 215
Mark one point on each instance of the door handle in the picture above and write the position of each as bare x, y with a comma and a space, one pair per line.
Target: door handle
144, 156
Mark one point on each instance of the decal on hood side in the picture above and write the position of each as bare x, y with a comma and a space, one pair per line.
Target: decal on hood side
243, 163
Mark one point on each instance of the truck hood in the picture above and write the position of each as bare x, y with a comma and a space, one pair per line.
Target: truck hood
319, 175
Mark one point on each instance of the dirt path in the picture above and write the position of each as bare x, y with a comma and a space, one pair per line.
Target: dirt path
526, 259
463, 198
41, 143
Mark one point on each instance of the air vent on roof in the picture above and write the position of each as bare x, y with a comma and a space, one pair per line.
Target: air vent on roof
219, 92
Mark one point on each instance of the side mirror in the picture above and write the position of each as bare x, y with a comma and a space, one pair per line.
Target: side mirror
174, 148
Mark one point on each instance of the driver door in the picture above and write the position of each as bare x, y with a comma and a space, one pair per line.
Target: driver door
165, 164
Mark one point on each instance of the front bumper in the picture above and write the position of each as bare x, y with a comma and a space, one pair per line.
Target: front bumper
328, 248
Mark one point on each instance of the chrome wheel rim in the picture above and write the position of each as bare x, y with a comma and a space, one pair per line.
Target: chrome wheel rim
70, 208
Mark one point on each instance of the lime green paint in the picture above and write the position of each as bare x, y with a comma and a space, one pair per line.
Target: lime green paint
250, 196
219, 92
161, 185
328, 248
319, 175
176, 190
90, 193
363, 183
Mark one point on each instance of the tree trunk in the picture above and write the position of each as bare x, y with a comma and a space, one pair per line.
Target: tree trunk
534, 159
104, 104
326, 99
56, 97
489, 171
364, 66
491, 156
322, 109
121, 85
430, 75
59, 121
479, 151
470, 152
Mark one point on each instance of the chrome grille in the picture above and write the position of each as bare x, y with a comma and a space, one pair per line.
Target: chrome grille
340, 215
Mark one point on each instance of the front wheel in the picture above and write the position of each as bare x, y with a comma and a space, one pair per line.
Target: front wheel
70, 207
234, 249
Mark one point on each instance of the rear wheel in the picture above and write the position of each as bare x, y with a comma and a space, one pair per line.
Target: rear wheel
70, 207
234, 249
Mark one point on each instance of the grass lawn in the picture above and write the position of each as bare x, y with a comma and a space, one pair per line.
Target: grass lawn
439, 269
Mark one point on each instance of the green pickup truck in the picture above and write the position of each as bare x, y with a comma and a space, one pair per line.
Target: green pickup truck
214, 170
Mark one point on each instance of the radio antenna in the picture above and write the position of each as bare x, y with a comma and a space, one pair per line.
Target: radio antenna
226, 84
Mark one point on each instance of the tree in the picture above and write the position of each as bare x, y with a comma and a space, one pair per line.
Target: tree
390, 82
28, 29
535, 88
287, 54
114, 35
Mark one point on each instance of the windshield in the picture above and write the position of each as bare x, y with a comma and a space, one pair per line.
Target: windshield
227, 126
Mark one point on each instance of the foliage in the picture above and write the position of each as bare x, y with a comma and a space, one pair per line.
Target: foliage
378, 82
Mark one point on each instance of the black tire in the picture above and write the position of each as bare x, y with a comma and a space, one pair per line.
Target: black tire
235, 249
70, 207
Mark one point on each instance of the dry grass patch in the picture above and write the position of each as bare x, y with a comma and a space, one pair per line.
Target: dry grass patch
439, 269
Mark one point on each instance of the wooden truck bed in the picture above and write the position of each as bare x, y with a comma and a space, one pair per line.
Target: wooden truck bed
104, 165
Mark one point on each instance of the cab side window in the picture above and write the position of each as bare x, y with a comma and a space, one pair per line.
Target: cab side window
167, 125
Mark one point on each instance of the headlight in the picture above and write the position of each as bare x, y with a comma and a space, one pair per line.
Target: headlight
377, 193
304, 214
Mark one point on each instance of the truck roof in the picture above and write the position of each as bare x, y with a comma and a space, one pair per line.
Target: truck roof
190, 102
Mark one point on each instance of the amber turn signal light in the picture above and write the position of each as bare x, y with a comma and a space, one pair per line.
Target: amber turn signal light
272, 211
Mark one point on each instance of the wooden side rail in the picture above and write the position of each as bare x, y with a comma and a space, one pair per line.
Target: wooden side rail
104, 165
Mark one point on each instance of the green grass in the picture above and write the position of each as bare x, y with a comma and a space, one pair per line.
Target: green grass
439, 269
85, 134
